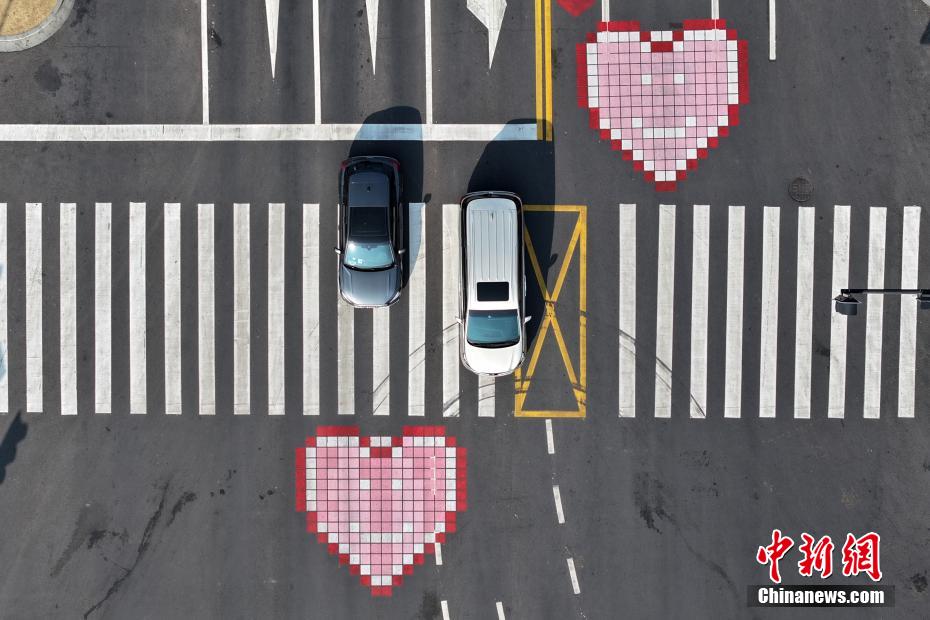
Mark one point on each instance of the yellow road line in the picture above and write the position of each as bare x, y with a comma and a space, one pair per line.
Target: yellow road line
548, 69
543, 40
540, 132
523, 379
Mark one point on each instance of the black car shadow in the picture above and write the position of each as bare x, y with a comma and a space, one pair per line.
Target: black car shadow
410, 155
14, 434
526, 168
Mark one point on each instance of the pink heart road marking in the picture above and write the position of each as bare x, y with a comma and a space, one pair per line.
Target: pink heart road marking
381, 503
663, 98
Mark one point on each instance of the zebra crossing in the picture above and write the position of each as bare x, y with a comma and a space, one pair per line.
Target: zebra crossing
216, 328
206, 273
741, 335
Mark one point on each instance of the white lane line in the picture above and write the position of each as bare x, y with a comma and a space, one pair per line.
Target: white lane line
371, 12
627, 311
910, 248
836, 404
557, 496
450, 308
67, 281
297, 132
276, 308
137, 331
206, 300
803, 331
771, 29
416, 303
317, 83
242, 284
715, 9
381, 361
271, 15
438, 547
485, 397
768, 330
346, 363
500, 611
311, 308
428, 55
550, 440
4, 334
172, 308
733, 366
700, 281
872, 388
573, 576
204, 64
445, 609
103, 325
665, 310
34, 307
605, 10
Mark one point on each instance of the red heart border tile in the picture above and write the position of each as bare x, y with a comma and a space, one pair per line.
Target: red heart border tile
375, 451
660, 42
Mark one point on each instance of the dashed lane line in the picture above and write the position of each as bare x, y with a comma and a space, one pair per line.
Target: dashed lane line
550, 441
557, 496
573, 576
445, 609
438, 547
500, 611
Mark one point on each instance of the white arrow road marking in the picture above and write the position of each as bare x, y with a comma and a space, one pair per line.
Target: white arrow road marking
271, 14
491, 14
371, 10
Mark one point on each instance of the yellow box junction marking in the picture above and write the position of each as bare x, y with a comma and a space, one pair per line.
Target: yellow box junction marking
543, 31
579, 381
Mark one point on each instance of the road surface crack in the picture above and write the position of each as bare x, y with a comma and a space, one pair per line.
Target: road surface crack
140, 552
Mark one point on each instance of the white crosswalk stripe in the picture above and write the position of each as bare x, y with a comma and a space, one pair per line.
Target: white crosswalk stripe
33, 307
734, 334
836, 406
753, 242
103, 318
803, 336
206, 300
875, 309
172, 308
137, 308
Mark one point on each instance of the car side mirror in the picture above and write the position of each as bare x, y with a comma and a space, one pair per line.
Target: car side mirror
458, 320
337, 250
402, 251
527, 319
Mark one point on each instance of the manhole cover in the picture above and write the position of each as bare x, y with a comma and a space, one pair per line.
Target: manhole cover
800, 190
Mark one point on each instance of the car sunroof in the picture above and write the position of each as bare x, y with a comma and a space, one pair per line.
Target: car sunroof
493, 291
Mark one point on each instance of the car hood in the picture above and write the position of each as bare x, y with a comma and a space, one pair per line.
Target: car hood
488, 361
369, 288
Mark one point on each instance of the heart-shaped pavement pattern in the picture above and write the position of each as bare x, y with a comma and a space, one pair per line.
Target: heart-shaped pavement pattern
663, 98
381, 503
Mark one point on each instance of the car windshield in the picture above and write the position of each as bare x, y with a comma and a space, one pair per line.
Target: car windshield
364, 255
493, 328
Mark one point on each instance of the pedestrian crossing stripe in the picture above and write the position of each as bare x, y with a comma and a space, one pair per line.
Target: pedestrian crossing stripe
523, 380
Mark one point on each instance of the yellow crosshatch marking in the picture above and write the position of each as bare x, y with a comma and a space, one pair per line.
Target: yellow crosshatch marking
579, 381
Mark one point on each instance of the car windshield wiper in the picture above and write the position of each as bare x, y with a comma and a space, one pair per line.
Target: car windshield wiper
385, 268
494, 345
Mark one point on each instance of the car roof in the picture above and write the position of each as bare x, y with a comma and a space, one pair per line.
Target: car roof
492, 250
369, 188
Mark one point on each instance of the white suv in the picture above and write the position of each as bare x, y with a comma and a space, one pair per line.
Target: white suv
492, 291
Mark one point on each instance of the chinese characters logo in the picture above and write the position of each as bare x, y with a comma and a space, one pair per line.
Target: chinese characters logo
859, 555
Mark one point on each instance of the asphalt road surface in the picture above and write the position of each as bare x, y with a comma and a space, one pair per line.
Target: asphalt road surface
172, 333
